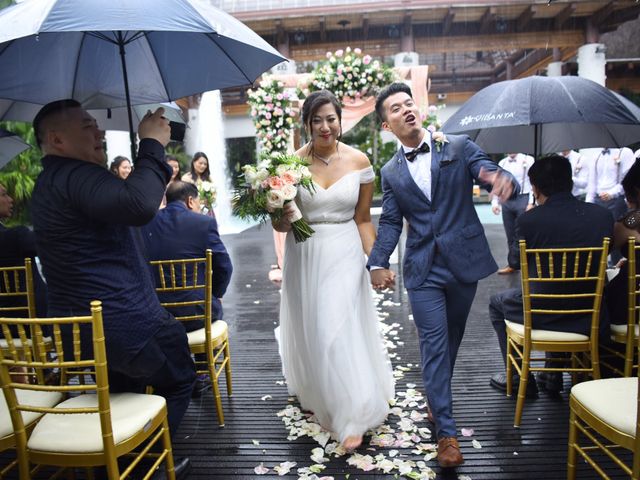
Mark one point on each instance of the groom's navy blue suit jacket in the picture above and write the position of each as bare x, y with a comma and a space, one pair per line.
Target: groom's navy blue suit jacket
447, 224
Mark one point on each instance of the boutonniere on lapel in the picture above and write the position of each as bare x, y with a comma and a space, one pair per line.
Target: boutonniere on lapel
439, 139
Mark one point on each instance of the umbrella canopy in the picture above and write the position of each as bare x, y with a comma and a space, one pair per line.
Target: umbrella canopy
10, 146
107, 118
539, 115
114, 53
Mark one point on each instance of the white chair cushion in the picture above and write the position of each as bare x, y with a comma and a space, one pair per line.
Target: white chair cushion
218, 328
613, 400
27, 397
622, 329
18, 343
547, 335
81, 433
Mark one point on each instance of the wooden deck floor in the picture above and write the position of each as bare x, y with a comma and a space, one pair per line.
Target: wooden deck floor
255, 435
537, 450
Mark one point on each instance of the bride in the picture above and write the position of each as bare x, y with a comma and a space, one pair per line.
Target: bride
332, 353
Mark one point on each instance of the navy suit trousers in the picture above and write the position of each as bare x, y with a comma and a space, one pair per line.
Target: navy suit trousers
440, 308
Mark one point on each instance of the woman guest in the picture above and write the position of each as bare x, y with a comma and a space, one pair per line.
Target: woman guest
173, 161
199, 171
332, 353
121, 167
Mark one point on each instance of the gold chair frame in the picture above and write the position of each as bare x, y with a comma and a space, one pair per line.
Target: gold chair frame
173, 277
35, 358
583, 421
520, 347
629, 337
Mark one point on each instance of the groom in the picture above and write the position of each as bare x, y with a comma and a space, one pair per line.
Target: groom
429, 183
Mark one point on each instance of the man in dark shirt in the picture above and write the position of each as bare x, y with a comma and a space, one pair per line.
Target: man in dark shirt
560, 221
181, 231
83, 218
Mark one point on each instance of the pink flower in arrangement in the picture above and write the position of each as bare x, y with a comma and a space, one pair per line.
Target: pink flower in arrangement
339, 71
329, 54
433, 109
269, 106
279, 96
288, 179
275, 183
366, 59
267, 115
357, 51
268, 98
340, 78
339, 53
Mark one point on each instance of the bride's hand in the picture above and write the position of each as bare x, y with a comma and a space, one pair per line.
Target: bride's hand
382, 278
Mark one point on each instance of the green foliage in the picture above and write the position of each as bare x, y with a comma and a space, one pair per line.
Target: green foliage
177, 150
240, 152
20, 174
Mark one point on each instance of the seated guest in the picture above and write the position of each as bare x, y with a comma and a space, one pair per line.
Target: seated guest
83, 218
559, 221
627, 226
181, 231
16, 244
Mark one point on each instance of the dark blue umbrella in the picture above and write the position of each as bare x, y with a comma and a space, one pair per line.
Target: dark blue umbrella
115, 53
539, 115
10, 146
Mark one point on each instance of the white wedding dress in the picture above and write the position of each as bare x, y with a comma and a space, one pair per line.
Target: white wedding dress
331, 347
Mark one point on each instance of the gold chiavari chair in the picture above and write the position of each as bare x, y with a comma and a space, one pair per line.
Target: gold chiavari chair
575, 276
629, 333
605, 413
183, 278
90, 427
17, 297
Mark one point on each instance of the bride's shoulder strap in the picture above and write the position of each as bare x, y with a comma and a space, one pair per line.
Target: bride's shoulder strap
367, 175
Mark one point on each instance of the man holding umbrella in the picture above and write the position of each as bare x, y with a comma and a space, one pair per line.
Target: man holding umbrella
83, 218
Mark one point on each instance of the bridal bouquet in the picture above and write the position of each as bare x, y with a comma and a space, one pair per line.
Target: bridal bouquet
268, 186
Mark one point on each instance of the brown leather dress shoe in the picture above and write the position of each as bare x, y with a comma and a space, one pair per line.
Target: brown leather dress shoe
449, 452
506, 270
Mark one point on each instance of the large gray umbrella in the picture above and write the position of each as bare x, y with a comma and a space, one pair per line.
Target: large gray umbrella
10, 146
115, 53
539, 115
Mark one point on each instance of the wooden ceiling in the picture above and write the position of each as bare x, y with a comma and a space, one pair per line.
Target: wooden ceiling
468, 44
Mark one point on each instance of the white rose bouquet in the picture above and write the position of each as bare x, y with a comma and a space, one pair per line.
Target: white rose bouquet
269, 185
208, 194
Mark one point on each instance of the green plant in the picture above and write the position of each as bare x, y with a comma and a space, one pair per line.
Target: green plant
20, 174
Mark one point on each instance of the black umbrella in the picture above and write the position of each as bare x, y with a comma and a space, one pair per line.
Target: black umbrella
539, 115
10, 146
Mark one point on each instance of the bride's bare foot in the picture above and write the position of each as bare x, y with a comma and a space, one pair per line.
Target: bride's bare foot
353, 442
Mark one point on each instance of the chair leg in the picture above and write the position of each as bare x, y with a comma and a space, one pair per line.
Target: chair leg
166, 443
509, 370
227, 368
573, 439
216, 394
522, 390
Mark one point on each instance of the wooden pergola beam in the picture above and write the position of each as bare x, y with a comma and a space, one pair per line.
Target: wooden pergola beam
488, 20
601, 15
447, 21
524, 19
564, 15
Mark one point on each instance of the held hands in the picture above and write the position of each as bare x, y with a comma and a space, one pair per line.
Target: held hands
155, 126
383, 278
605, 196
496, 209
501, 185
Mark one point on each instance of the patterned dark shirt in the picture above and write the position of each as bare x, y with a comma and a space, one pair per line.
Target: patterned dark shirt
84, 219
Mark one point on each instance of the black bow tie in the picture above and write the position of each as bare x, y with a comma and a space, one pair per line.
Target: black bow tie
605, 151
411, 156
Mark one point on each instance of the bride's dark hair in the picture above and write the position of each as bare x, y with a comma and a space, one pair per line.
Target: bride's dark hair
313, 103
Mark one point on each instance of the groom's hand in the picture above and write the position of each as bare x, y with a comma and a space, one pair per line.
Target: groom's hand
501, 184
382, 278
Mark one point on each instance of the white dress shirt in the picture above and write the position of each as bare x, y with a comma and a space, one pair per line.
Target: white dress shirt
579, 172
607, 168
420, 168
517, 166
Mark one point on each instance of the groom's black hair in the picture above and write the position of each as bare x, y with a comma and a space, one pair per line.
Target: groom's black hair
396, 87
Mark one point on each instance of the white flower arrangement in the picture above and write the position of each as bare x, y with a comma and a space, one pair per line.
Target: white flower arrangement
349, 74
272, 115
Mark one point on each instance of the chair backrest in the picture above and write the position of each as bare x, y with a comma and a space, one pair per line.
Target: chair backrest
184, 287
633, 292
38, 355
563, 281
17, 297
